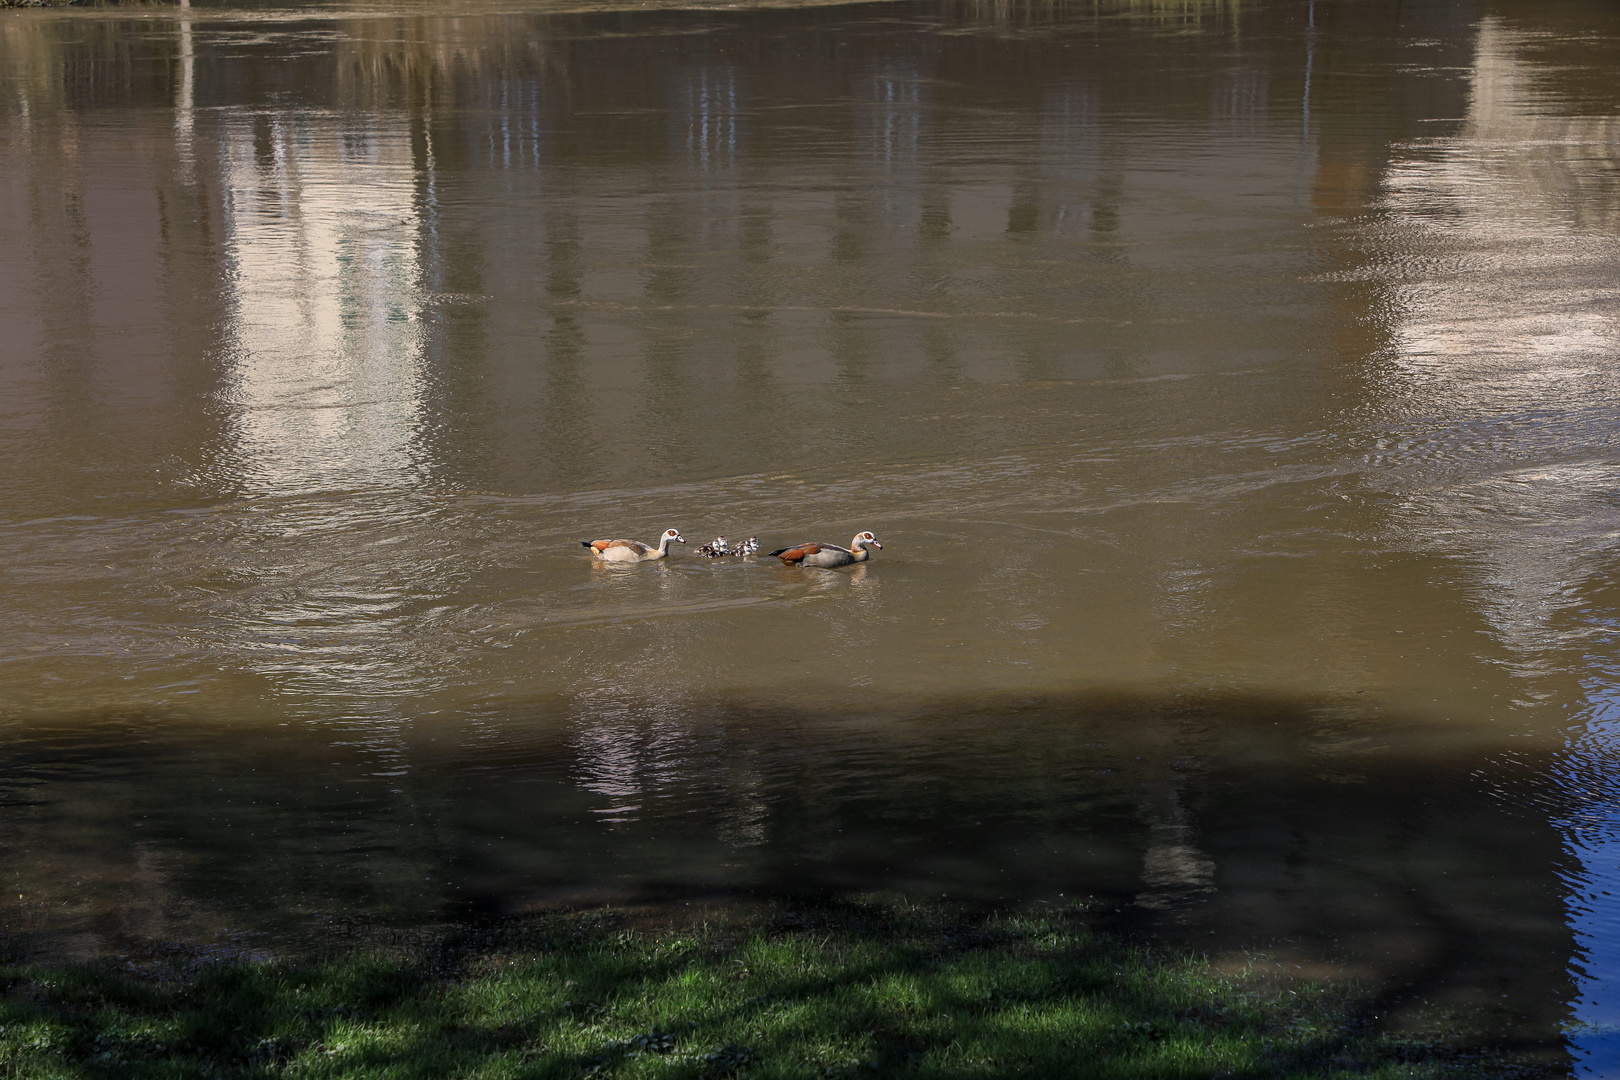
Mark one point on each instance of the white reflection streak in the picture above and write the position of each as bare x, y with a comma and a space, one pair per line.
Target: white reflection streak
1305, 155
897, 118
712, 115
327, 395
1503, 332
1502, 186
185, 106
1498, 325
626, 753
328, 383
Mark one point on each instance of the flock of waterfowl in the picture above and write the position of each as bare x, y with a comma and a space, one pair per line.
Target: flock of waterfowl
825, 556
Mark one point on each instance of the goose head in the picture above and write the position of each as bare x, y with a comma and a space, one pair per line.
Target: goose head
670, 534
865, 539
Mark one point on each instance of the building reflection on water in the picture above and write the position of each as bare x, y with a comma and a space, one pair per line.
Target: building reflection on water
388, 304
325, 384
1520, 203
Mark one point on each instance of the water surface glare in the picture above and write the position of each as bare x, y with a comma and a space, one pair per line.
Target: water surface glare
1233, 387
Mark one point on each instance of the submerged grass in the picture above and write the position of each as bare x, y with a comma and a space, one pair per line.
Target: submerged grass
856, 992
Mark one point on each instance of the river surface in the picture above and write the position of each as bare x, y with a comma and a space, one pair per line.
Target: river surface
1234, 387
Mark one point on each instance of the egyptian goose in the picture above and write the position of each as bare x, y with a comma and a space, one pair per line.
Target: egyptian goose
630, 550
829, 555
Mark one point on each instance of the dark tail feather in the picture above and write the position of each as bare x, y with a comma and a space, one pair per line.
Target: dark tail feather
778, 551
586, 543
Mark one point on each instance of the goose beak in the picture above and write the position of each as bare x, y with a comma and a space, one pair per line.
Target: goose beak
875, 544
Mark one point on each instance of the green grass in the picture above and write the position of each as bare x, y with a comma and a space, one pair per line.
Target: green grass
852, 992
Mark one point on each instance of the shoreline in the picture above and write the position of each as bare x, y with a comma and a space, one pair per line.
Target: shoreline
821, 990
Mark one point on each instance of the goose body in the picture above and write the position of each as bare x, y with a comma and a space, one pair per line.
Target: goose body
830, 555
631, 551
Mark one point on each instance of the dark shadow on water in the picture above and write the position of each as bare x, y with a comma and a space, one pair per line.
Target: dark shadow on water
1320, 838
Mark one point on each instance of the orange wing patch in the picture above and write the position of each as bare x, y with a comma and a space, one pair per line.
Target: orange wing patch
603, 545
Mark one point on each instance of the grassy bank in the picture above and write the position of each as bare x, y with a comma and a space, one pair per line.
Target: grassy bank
847, 993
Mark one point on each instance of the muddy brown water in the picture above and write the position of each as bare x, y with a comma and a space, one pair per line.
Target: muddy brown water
1233, 387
